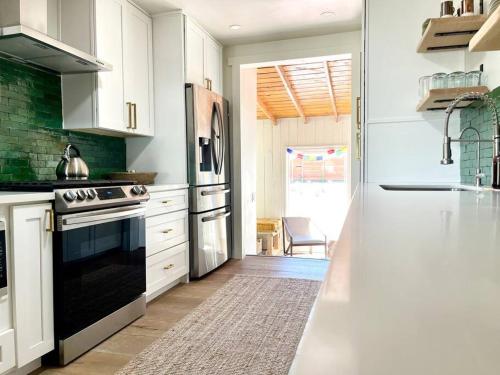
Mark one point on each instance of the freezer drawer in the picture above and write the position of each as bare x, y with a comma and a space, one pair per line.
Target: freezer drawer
210, 240
208, 198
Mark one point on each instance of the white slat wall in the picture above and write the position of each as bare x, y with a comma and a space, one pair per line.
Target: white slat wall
272, 142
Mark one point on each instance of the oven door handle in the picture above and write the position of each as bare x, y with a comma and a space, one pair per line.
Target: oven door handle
215, 217
99, 217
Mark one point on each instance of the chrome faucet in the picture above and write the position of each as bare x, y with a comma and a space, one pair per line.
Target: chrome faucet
491, 104
479, 175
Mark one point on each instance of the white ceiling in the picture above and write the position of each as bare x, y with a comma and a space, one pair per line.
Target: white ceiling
265, 20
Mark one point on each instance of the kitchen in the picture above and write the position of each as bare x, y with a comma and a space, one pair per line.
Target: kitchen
127, 168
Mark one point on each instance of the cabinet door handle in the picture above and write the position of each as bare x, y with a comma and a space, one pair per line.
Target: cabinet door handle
135, 115
50, 226
167, 231
358, 145
169, 266
358, 113
129, 105
208, 83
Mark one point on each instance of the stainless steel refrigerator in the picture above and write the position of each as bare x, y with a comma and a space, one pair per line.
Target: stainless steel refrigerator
209, 175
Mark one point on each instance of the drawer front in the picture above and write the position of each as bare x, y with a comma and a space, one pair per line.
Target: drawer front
165, 231
167, 201
165, 267
7, 351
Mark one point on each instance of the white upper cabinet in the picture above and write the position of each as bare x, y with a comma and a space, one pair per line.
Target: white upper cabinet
213, 64
138, 70
195, 55
203, 58
108, 46
116, 102
33, 281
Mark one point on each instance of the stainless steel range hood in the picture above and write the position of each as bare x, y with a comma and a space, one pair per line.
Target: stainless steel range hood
25, 44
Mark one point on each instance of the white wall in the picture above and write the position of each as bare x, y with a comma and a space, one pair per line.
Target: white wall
244, 177
166, 152
272, 142
403, 145
236, 57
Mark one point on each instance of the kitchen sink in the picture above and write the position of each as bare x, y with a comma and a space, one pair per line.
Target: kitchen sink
422, 188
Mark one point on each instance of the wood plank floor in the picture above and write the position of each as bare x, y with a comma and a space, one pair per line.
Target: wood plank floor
165, 311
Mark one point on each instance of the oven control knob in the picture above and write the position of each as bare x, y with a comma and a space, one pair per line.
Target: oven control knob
91, 194
143, 190
69, 196
136, 190
81, 194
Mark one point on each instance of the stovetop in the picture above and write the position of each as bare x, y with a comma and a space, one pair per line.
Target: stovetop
51, 185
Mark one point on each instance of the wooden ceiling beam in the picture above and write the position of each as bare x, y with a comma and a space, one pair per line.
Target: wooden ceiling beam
290, 92
263, 107
330, 89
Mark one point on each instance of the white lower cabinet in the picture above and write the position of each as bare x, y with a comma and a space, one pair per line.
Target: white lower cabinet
167, 235
165, 267
165, 231
7, 351
32, 281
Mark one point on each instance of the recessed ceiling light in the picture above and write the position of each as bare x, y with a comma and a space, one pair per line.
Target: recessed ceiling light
235, 27
328, 13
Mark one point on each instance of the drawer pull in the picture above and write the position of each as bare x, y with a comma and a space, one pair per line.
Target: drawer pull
167, 231
169, 266
167, 202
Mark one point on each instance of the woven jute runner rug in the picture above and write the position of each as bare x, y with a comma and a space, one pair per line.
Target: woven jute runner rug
252, 325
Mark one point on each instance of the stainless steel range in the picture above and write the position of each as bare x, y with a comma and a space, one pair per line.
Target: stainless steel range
99, 261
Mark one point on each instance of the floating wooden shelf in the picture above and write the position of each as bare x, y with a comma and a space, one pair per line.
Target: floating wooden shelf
488, 36
446, 34
438, 99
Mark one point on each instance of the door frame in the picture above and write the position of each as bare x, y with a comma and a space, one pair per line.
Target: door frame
252, 55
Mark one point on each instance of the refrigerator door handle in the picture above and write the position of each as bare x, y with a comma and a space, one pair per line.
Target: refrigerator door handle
220, 141
215, 217
215, 192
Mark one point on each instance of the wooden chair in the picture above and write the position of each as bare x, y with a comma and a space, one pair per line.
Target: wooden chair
301, 231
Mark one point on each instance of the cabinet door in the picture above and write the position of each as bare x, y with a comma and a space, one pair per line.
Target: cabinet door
32, 275
213, 64
109, 47
7, 351
138, 69
194, 50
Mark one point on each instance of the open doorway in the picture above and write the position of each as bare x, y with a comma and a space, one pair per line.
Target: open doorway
303, 132
317, 188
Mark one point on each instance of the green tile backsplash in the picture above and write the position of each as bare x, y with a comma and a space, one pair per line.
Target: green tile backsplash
479, 117
31, 134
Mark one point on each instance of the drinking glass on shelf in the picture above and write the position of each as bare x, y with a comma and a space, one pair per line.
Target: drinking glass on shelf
424, 84
456, 79
473, 78
439, 81
483, 80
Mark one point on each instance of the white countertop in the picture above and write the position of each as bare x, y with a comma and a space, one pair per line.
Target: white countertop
166, 187
413, 288
12, 197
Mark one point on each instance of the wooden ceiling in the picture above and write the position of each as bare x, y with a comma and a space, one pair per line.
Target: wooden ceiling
304, 90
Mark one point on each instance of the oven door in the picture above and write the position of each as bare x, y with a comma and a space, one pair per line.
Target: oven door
99, 265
